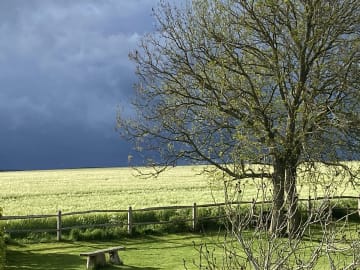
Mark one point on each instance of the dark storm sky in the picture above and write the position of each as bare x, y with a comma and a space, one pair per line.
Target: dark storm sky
64, 72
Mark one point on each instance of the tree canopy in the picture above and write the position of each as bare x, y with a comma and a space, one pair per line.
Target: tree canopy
234, 83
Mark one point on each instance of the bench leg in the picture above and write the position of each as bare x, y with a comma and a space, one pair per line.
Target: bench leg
90, 263
96, 260
100, 259
114, 258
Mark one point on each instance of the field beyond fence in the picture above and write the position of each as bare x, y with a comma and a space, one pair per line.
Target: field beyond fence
42, 192
30, 200
192, 215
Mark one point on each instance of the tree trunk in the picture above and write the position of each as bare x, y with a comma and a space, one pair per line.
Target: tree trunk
278, 221
294, 215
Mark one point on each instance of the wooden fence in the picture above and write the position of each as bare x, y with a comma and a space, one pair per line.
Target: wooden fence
130, 211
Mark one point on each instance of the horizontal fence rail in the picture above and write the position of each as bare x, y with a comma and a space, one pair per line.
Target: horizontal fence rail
130, 211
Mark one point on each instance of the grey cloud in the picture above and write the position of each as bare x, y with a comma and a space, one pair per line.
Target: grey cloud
59, 149
64, 63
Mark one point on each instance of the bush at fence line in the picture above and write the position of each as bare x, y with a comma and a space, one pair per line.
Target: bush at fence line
173, 220
146, 216
88, 234
29, 224
94, 219
97, 234
50, 224
345, 208
2, 247
164, 215
210, 218
176, 223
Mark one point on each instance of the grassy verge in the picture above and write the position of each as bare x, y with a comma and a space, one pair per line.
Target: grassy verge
150, 252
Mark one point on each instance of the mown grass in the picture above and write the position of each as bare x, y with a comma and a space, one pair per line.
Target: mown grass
147, 252
167, 251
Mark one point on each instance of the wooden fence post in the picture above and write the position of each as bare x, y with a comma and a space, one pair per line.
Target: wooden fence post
130, 221
194, 217
58, 226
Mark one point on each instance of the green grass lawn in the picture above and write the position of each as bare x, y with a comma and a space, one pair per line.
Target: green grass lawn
147, 252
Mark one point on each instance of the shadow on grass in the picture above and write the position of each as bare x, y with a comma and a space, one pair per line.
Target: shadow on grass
30, 260
149, 239
126, 267
35, 261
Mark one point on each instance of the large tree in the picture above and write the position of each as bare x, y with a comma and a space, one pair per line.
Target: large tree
233, 83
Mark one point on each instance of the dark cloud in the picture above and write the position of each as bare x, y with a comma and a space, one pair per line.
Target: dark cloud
63, 71
63, 147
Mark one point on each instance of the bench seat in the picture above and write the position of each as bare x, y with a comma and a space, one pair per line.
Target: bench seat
97, 257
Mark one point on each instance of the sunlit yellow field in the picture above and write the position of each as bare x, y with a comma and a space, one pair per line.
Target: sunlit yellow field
46, 192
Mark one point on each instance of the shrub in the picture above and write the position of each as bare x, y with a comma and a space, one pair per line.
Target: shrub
177, 223
145, 216
346, 209
164, 215
29, 224
211, 218
75, 234
96, 234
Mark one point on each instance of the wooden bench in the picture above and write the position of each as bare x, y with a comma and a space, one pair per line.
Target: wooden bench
97, 258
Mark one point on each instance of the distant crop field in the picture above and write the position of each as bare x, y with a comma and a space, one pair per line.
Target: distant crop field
45, 192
